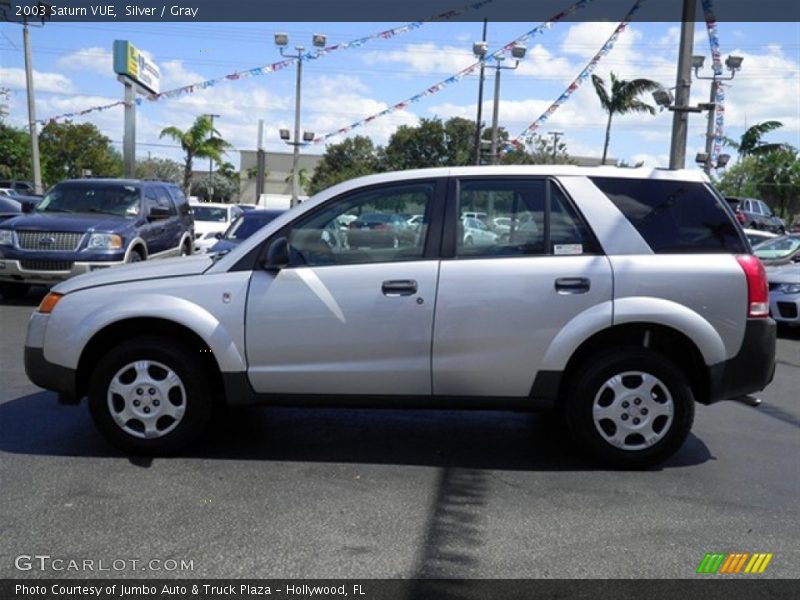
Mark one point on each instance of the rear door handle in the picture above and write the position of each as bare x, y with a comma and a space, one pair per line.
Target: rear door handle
572, 285
399, 287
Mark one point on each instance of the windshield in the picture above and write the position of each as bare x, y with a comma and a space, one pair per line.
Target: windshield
210, 213
243, 227
777, 248
120, 200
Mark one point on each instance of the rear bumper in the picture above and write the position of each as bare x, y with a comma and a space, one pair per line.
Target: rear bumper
751, 370
12, 271
51, 376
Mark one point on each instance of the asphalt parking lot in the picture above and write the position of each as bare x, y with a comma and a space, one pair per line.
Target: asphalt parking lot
346, 493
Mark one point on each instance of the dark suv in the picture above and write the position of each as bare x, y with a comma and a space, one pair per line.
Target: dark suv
87, 224
755, 214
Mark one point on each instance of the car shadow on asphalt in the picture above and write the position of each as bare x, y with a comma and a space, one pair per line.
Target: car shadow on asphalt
37, 425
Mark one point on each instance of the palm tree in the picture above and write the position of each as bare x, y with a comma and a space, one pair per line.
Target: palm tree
750, 143
303, 179
624, 98
201, 140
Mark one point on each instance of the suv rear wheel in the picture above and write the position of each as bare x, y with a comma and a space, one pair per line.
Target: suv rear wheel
150, 396
630, 408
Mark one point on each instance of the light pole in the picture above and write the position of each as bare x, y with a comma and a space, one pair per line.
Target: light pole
479, 49
282, 40
517, 53
556, 135
211, 135
733, 64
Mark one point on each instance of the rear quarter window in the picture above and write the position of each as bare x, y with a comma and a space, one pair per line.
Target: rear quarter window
674, 217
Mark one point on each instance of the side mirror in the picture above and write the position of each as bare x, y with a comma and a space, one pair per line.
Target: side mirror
27, 207
158, 213
277, 255
219, 235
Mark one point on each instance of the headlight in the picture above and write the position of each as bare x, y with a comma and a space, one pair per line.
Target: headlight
6, 237
107, 241
789, 288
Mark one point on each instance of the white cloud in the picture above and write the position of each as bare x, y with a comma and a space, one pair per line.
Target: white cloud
425, 58
175, 75
96, 59
14, 78
540, 62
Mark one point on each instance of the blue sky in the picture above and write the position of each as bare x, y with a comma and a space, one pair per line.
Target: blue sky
73, 71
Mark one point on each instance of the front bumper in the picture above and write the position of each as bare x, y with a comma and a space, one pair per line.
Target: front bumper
785, 308
51, 376
11, 270
752, 369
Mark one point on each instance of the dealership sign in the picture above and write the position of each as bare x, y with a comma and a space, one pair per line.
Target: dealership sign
131, 62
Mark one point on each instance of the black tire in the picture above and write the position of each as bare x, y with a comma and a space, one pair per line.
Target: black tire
590, 381
186, 249
196, 399
135, 256
14, 291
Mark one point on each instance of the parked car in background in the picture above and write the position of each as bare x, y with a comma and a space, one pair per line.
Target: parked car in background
646, 301
756, 236
784, 294
242, 228
755, 214
20, 187
86, 224
780, 250
477, 233
210, 219
6, 191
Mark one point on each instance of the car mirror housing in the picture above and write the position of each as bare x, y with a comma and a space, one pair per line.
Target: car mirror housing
277, 255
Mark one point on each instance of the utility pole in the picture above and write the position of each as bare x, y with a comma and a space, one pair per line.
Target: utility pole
556, 135
710, 126
683, 84
495, 111
296, 154
260, 162
35, 165
479, 118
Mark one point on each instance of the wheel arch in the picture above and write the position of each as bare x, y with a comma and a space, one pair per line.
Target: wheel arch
667, 341
111, 333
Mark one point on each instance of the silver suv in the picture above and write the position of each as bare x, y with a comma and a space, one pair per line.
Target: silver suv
619, 297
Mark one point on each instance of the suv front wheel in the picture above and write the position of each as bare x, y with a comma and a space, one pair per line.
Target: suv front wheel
630, 408
150, 396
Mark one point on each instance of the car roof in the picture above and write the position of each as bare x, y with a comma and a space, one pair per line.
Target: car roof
260, 213
113, 181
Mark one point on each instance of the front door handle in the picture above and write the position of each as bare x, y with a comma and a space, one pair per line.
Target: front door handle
399, 287
572, 285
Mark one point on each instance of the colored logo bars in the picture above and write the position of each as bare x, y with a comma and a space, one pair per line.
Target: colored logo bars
734, 563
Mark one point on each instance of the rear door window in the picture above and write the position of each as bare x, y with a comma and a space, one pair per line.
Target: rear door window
674, 217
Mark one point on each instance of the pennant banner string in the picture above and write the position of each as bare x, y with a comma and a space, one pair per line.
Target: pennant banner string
438, 87
279, 65
719, 97
519, 141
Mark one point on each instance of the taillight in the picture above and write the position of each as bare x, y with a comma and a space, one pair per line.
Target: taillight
740, 217
757, 286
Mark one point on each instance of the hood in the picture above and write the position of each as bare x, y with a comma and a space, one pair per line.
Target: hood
181, 266
784, 274
75, 223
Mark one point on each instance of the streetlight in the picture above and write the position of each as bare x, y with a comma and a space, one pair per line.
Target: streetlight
733, 64
282, 40
517, 53
479, 49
